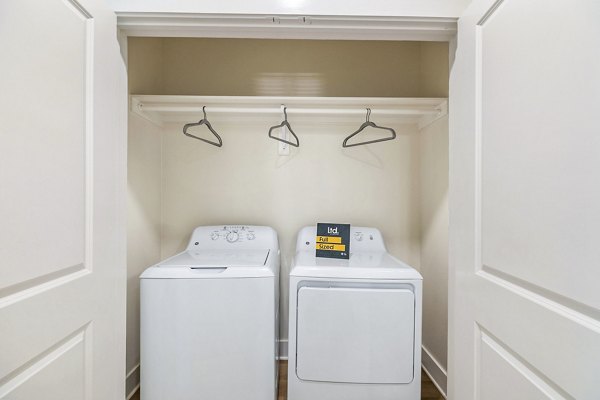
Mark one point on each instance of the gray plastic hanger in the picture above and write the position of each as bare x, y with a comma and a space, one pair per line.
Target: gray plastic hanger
286, 124
203, 121
367, 124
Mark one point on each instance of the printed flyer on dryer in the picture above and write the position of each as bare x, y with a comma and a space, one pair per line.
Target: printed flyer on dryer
333, 240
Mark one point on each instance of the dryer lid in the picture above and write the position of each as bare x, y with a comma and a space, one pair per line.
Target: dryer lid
361, 265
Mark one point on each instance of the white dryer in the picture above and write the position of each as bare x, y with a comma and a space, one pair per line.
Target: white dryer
355, 325
209, 326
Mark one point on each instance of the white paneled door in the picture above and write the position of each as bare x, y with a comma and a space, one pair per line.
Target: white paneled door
62, 236
525, 202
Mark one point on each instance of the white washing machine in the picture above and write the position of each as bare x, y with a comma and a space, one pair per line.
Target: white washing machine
355, 325
209, 316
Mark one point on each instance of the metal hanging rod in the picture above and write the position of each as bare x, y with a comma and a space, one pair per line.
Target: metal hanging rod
159, 109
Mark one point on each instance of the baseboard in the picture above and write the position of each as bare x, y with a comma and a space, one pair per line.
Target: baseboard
132, 381
283, 349
434, 370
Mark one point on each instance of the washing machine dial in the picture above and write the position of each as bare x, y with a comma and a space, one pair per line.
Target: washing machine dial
232, 237
250, 236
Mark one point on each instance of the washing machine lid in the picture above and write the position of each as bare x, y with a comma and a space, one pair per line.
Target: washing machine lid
230, 258
361, 265
196, 264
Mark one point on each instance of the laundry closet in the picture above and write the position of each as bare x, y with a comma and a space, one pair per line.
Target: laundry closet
243, 86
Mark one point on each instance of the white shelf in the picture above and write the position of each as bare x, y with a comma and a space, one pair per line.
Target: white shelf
181, 109
287, 26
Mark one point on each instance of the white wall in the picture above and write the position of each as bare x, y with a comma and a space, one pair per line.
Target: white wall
433, 150
421, 8
143, 225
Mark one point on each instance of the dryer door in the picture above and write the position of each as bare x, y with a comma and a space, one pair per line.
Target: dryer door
355, 334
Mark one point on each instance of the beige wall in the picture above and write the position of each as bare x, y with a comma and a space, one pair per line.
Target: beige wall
246, 182
433, 150
383, 185
253, 67
143, 224
145, 65
433, 69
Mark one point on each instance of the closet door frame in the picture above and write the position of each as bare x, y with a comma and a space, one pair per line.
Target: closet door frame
310, 27
243, 26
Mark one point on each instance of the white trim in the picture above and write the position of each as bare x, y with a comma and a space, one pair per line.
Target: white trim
286, 26
434, 370
133, 373
283, 349
160, 109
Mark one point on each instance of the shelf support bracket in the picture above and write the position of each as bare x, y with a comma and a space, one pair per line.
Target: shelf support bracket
442, 111
137, 107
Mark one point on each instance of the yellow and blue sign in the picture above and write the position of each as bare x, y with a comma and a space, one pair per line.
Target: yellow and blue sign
333, 240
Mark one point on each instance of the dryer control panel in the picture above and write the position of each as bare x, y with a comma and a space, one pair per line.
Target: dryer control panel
362, 239
233, 236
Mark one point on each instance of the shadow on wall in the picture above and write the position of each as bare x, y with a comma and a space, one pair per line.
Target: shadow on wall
282, 84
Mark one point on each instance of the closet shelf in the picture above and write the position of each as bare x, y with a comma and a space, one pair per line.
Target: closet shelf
167, 109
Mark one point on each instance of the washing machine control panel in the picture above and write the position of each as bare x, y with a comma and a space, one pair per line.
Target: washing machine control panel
233, 233
228, 237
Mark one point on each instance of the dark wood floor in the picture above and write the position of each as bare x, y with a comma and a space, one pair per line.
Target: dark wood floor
428, 390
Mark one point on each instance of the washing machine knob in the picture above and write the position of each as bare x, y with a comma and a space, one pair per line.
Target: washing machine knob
232, 237
251, 236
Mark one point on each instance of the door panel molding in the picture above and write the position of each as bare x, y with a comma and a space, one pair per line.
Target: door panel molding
565, 306
77, 256
58, 276
89, 50
487, 346
35, 286
489, 13
548, 249
555, 344
478, 136
44, 360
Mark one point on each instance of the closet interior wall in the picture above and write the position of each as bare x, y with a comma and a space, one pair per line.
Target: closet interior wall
177, 183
